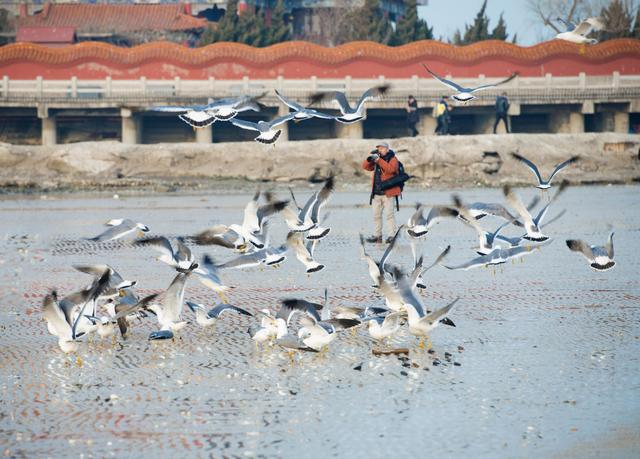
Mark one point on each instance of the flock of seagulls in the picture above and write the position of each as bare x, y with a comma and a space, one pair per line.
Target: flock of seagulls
109, 303
199, 116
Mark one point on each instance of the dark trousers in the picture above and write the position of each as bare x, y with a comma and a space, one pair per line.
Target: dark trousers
443, 125
412, 128
503, 117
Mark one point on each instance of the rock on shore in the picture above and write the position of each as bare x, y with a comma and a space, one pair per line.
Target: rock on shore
436, 161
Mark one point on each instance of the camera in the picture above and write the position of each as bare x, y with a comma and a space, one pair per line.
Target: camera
373, 156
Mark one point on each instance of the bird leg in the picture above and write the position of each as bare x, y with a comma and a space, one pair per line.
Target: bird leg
223, 297
421, 345
78, 360
429, 343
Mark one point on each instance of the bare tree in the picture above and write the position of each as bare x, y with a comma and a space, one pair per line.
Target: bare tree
547, 12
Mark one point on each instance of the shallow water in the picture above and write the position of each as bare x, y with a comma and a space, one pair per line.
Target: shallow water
543, 361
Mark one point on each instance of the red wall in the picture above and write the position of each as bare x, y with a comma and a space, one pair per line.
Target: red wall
166, 61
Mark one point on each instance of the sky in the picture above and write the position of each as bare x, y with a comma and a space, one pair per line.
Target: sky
518, 16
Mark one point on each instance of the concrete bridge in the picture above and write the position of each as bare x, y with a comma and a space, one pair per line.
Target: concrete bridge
51, 111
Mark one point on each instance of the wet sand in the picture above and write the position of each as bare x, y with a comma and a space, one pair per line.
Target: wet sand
543, 361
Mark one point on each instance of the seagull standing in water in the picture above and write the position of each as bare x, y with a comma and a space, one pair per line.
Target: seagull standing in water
350, 114
600, 258
464, 94
542, 183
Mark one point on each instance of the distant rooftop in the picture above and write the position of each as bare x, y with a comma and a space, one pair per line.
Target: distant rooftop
113, 18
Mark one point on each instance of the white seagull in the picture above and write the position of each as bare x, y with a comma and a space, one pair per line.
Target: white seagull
350, 114
542, 183
300, 112
206, 318
304, 252
464, 94
267, 129
119, 228
578, 33
308, 217
418, 225
600, 258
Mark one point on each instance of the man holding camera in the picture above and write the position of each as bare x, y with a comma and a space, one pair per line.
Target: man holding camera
384, 164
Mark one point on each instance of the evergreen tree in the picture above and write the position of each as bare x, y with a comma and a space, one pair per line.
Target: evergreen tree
500, 30
278, 31
618, 21
636, 26
410, 27
369, 23
251, 28
479, 29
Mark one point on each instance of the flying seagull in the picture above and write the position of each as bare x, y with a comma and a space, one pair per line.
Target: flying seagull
418, 225
485, 238
463, 94
180, 258
497, 256
542, 183
199, 116
300, 112
350, 114
119, 228
533, 225
268, 134
304, 252
600, 258
207, 318
308, 217
578, 33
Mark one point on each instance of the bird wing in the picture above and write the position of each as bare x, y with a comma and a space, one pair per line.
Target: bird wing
246, 260
493, 85
160, 243
578, 245
563, 164
389, 249
417, 216
171, 108
99, 270
221, 308
183, 254
530, 165
474, 263
174, 298
249, 125
291, 306
439, 212
323, 196
124, 310
288, 102
609, 245
267, 210
516, 203
468, 219
440, 313
217, 235
56, 321
295, 242
439, 258
250, 221
115, 232
371, 93
445, 82
280, 120
374, 268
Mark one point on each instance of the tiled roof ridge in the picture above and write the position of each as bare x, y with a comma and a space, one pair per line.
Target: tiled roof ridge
412, 52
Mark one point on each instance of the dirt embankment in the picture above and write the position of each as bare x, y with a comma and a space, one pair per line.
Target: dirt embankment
436, 161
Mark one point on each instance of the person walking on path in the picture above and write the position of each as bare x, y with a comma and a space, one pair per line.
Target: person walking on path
384, 164
502, 107
442, 117
412, 115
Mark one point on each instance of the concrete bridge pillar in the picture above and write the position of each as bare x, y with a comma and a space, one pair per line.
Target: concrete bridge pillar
49, 128
131, 127
566, 122
427, 124
205, 134
621, 122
